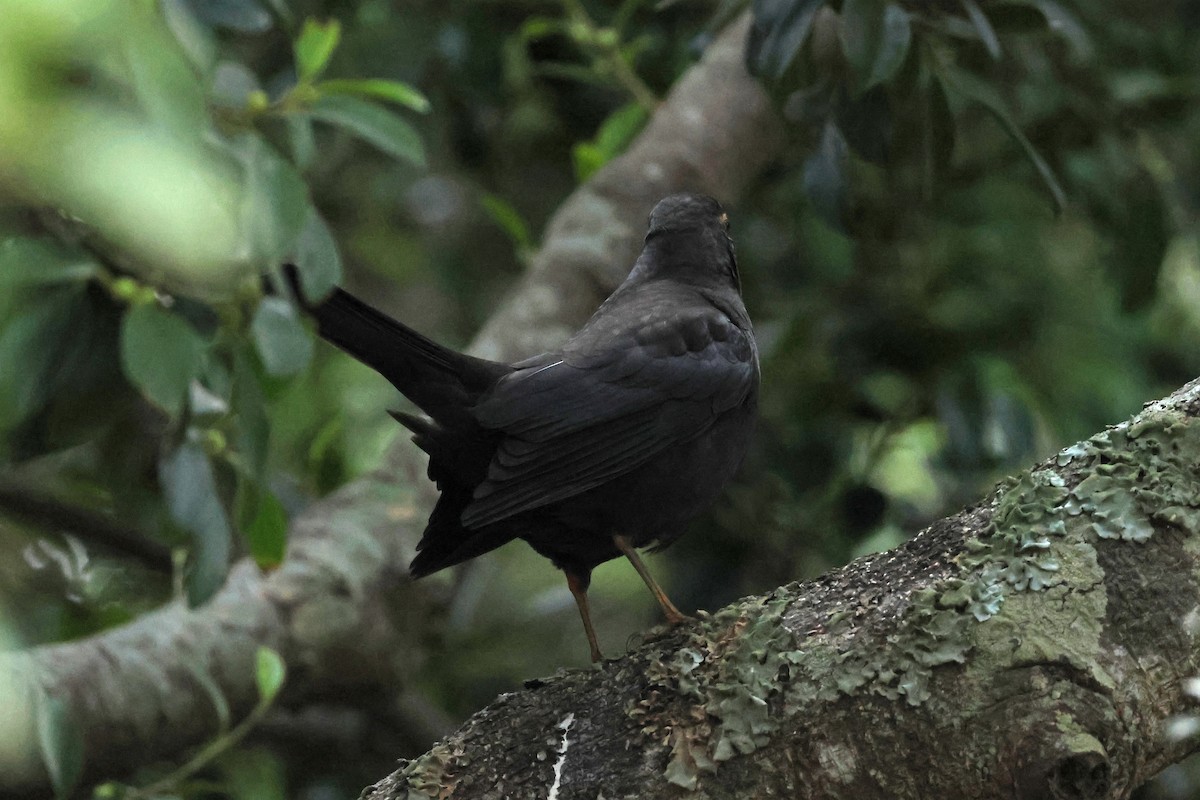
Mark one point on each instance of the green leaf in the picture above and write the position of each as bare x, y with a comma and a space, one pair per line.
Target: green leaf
282, 342
301, 141
196, 40
379, 89
59, 742
587, 158
897, 36
534, 28
1068, 26
250, 408
166, 87
780, 29
620, 128
316, 257
612, 138
937, 135
205, 403
160, 354
316, 44
190, 489
976, 90
30, 341
269, 673
27, 262
987, 33
862, 20
267, 531
1143, 86
875, 38
324, 442
372, 123
275, 202
507, 217
232, 83
58, 353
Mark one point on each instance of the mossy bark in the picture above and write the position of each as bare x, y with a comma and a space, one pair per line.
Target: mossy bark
1032, 646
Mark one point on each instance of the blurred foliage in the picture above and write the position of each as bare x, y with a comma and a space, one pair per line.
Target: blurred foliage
980, 246
945, 314
246, 773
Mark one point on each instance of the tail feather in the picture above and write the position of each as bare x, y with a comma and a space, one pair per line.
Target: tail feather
440, 381
456, 467
446, 542
455, 456
443, 383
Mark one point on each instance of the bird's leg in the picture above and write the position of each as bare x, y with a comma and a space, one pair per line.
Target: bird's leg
674, 615
578, 584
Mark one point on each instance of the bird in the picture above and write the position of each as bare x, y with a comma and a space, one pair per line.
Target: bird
609, 444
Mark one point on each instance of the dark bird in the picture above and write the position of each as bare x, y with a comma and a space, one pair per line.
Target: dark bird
612, 442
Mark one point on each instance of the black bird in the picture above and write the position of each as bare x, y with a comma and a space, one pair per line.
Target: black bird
610, 443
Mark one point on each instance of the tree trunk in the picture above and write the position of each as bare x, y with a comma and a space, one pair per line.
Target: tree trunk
1032, 646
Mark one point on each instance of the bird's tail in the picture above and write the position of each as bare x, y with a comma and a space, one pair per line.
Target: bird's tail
441, 382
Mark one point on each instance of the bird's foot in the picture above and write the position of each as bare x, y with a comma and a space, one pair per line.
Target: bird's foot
677, 618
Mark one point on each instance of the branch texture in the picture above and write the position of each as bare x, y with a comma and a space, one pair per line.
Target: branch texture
1032, 646
341, 609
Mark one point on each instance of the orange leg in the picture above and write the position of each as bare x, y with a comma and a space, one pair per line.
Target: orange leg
579, 586
674, 615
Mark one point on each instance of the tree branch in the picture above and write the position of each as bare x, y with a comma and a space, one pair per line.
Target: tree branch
23, 502
1031, 646
341, 609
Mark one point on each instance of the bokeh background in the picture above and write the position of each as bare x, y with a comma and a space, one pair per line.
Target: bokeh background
979, 245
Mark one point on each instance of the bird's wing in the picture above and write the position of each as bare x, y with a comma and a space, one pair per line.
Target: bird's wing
603, 408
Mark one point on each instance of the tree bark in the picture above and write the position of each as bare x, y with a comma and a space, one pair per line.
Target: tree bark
1032, 646
341, 609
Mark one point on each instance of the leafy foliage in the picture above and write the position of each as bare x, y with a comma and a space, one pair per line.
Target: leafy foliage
177, 242
832, 62
942, 303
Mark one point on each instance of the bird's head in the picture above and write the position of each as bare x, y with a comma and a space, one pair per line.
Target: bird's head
681, 212
690, 232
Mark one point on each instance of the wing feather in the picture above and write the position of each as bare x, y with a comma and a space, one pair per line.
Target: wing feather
575, 420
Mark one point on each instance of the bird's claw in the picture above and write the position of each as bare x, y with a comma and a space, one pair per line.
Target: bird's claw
678, 619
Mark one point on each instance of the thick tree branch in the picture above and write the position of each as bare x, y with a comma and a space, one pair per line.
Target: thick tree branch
341, 609
1032, 646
